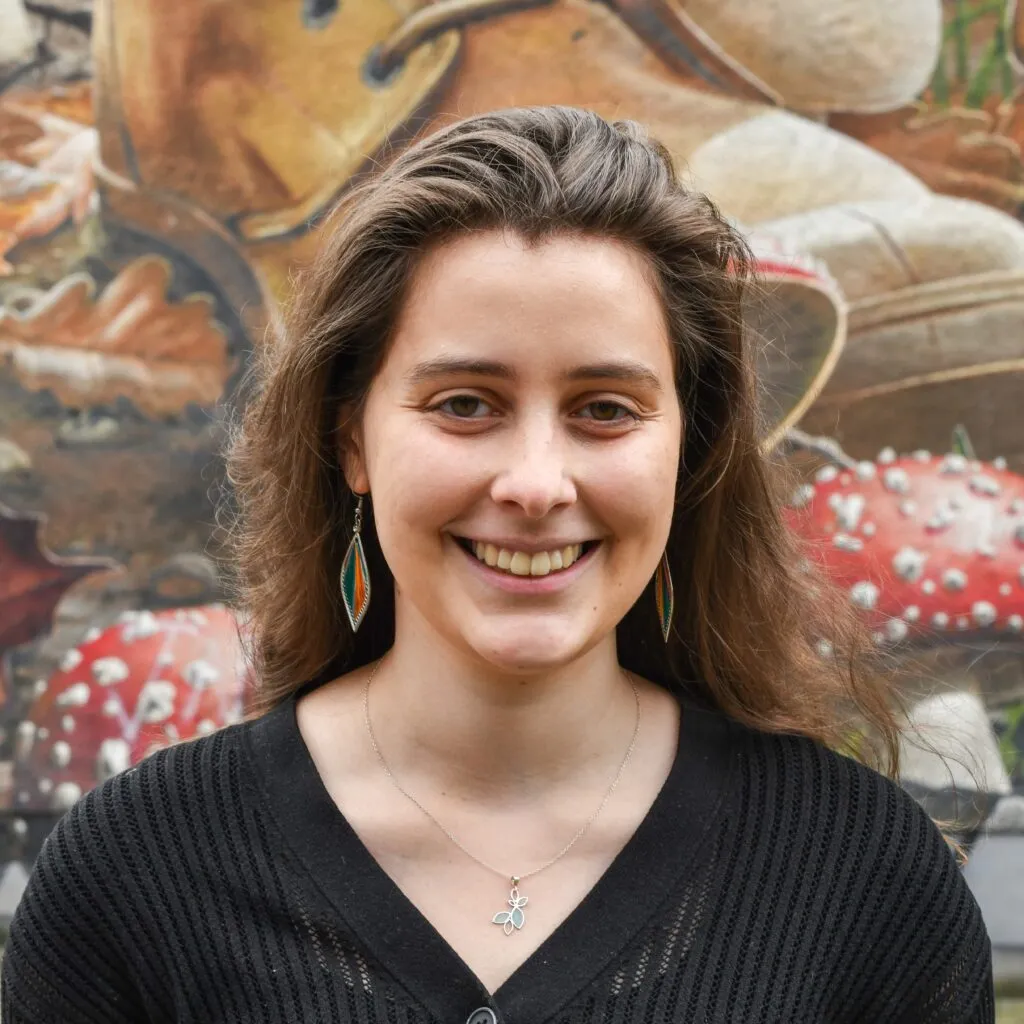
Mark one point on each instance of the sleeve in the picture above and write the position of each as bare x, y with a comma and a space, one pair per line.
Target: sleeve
65, 960
944, 973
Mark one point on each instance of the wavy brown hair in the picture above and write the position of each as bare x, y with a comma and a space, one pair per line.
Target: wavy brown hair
751, 614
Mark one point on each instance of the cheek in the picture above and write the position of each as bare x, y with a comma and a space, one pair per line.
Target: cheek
421, 478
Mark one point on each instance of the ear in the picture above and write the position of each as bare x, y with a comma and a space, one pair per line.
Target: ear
351, 456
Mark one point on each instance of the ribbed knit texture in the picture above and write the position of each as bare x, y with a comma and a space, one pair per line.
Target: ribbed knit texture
817, 891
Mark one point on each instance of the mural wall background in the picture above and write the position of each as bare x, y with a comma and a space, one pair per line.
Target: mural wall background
163, 171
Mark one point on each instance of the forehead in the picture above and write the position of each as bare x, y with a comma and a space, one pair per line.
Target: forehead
567, 298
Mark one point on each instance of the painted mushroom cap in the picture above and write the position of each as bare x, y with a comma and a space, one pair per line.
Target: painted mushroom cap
930, 548
150, 680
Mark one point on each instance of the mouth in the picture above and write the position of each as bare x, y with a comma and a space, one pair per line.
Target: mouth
526, 563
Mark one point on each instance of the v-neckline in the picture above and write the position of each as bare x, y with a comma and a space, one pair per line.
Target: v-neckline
666, 845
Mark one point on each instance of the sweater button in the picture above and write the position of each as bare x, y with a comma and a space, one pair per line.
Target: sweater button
485, 1015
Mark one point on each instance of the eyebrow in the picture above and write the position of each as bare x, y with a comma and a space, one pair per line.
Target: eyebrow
624, 370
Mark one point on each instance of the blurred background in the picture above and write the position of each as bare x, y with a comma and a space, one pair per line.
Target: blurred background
164, 169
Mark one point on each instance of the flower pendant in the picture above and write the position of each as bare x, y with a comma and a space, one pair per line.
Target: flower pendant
514, 918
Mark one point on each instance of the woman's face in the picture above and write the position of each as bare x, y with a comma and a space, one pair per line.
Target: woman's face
520, 445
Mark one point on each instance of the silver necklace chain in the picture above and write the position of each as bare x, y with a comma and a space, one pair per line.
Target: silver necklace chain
513, 919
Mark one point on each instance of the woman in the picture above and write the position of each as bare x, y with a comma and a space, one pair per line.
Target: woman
548, 706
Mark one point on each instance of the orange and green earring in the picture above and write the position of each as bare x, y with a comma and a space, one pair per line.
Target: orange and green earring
355, 574
664, 595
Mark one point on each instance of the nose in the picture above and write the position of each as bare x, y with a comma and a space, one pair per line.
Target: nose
534, 475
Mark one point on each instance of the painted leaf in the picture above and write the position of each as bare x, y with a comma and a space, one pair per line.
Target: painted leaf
32, 580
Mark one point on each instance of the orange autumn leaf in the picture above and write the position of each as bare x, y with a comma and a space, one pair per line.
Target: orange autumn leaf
129, 341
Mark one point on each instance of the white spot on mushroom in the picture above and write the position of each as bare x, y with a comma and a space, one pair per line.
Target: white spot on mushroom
953, 464
20, 826
878, 638
197, 618
896, 480
962, 622
1015, 623
826, 474
940, 620
908, 563
60, 754
954, 579
848, 509
108, 671
864, 594
984, 613
40, 687
92, 635
921, 455
112, 707
200, 674
44, 785
206, 725
942, 517
1005, 589
113, 757
74, 696
65, 796
912, 613
999, 463
866, 471
1017, 507
802, 496
908, 508
844, 542
67, 723
138, 626
987, 549
896, 630
869, 529
42, 732
71, 660
985, 485
928, 586
845, 479
886, 455
156, 701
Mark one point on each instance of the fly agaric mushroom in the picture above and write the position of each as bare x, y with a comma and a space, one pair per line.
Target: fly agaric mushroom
930, 548
150, 680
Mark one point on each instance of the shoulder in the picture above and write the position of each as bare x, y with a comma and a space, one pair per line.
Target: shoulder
855, 842
130, 825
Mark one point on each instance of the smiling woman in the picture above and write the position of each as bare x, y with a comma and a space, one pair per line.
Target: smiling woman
545, 728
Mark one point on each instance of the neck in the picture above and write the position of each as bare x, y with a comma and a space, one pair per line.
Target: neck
474, 732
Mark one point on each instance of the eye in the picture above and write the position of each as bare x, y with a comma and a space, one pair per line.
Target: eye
465, 407
608, 412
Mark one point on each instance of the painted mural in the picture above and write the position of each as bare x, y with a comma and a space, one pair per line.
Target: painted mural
163, 172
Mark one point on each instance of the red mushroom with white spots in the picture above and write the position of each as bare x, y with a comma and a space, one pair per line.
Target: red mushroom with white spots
929, 547
150, 680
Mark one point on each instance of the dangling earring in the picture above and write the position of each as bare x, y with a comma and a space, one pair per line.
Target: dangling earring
664, 595
355, 574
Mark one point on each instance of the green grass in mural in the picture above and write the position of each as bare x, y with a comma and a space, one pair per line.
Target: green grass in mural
991, 75
1013, 758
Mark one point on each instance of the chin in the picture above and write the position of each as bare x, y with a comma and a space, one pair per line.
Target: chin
529, 648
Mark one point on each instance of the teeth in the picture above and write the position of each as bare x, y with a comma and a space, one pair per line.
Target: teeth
519, 563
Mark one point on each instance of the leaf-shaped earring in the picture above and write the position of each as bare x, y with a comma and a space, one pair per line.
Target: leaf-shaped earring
664, 596
355, 574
